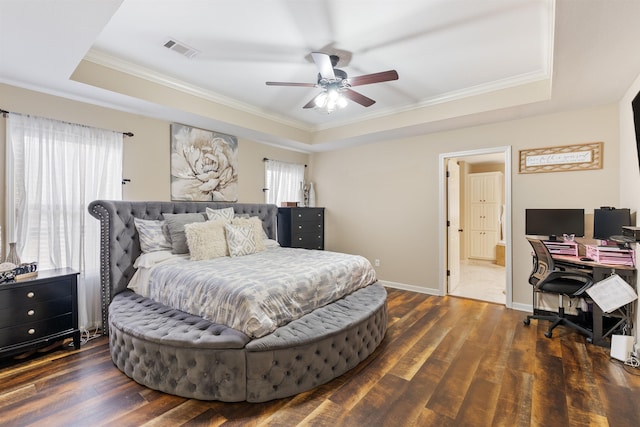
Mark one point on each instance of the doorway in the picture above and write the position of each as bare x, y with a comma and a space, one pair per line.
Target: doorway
475, 237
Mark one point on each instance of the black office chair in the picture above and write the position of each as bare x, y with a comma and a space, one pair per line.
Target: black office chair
546, 278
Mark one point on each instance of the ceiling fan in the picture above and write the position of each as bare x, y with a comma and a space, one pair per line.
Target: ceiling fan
337, 85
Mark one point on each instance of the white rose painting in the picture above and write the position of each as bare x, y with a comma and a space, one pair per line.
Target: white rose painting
204, 165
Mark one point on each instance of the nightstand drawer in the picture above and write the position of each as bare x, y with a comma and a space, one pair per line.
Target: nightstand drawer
35, 330
307, 215
307, 227
30, 294
307, 240
34, 311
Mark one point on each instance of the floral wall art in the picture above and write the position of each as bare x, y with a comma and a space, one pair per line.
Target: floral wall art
204, 165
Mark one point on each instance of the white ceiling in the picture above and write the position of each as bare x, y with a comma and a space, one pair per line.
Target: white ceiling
444, 51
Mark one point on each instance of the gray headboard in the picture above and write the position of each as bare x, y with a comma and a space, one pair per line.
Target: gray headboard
120, 246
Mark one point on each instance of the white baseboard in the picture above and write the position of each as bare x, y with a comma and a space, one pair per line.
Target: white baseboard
413, 288
522, 307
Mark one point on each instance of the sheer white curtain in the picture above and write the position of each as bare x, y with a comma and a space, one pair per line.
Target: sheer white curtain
282, 181
54, 169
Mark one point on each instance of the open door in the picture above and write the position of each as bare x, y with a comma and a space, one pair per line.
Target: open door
453, 225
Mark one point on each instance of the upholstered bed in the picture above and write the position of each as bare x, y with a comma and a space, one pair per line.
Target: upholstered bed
179, 353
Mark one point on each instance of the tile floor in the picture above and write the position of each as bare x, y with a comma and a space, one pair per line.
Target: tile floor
482, 280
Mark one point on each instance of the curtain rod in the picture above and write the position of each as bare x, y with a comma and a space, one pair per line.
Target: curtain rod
265, 159
5, 112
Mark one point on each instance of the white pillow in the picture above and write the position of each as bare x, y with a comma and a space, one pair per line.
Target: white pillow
215, 214
151, 236
255, 224
150, 259
270, 243
206, 240
240, 239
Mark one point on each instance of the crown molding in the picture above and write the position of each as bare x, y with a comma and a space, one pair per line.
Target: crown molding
118, 64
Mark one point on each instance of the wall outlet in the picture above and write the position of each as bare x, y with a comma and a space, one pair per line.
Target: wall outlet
376, 263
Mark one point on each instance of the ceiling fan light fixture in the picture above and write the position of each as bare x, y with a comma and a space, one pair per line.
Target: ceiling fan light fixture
330, 100
341, 102
321, 100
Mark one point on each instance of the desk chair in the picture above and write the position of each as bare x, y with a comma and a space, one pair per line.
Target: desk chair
546, 278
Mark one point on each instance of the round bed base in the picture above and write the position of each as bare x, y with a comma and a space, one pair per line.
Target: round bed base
177, 353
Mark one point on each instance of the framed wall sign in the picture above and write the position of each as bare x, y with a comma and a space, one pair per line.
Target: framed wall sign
562, 159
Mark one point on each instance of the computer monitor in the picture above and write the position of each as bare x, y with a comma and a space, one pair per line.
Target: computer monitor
554, 222
608, 222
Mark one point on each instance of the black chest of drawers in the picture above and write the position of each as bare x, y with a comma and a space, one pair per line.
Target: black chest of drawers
38, 311
301, 227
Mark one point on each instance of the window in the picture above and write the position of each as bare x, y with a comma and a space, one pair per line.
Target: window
54, 170
283, 182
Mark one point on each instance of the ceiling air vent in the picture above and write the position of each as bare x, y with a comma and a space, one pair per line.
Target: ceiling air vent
181, 48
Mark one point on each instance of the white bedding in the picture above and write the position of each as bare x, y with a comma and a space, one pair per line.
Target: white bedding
255, 293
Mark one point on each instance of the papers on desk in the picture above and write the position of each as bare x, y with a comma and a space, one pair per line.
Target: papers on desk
612, 293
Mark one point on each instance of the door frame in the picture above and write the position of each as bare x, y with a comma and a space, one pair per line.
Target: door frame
442, 216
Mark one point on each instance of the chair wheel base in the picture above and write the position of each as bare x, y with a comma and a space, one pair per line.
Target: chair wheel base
526, 322
548, 334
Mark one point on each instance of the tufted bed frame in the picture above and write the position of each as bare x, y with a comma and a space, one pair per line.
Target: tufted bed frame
178, 353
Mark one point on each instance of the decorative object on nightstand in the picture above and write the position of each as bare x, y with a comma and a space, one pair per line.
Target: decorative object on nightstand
301, 227
301, 194
36, 312
12, 256
312, 196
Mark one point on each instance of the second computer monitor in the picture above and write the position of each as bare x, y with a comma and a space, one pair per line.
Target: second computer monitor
608, 222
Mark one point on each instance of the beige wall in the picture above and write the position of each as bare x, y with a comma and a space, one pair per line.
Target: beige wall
629, 170
382, 199
146, 154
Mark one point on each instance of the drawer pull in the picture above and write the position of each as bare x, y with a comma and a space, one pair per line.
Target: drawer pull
31, 312
30, 294
299, 227
31, 331
299, 215
300, 238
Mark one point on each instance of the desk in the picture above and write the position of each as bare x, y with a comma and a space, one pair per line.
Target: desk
600, 272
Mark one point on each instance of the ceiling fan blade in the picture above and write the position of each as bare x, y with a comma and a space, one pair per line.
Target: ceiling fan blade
312, 103
383, 76
290, 84
323, 62
358, 97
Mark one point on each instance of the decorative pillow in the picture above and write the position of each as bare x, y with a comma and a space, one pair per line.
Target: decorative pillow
175, 224
270, 243
147, 260
151, 236
225, 213
255, 224
206, 240
241, 240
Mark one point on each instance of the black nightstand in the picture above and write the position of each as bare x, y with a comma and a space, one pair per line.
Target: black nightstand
301, 227
37, 311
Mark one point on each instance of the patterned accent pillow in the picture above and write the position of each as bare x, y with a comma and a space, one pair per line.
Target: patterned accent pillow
151, 236
241, 240
255, 224
175, 224
215, 214
206, 240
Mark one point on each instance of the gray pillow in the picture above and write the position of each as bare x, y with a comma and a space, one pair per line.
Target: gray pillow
175, 225
152, 237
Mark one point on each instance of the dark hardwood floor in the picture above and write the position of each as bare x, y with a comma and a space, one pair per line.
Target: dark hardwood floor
444, 362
